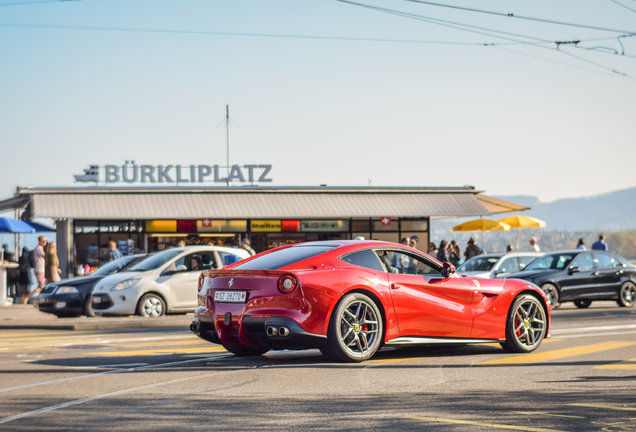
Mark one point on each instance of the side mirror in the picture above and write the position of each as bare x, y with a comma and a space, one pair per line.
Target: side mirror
448, 269
573, 270
498, 272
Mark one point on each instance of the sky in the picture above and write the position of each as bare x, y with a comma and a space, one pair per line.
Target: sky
375, 92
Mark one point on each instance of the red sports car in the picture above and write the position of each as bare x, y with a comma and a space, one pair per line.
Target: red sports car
350, 298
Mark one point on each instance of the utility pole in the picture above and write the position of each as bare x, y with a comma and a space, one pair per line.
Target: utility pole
227, 129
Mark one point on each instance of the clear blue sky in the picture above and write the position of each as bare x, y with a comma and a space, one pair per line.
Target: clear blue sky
323, 91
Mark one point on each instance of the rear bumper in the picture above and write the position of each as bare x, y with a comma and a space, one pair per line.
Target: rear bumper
271, 332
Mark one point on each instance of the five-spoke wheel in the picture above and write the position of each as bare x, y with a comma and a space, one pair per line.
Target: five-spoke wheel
355, 329
151, 305
526, 325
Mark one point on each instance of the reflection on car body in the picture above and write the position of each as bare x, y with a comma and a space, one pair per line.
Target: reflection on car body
582, 276
347, 299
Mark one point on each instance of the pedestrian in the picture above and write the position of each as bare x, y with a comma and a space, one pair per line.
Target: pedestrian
534, 247
38, 255
581, 244
401, 261
454, 255
510, 248
23, 267
246, 244
113, 252
442, 252
52, 264
413, 241
472, 249
600, 243
13, 273
432, 249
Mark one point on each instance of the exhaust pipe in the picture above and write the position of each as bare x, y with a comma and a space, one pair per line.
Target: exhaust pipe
271, 331
194, 327
283, 331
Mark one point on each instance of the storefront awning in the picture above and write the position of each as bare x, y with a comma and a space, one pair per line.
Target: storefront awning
257, 202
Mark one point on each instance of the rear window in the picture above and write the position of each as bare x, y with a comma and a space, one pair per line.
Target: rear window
478, 264
284, 257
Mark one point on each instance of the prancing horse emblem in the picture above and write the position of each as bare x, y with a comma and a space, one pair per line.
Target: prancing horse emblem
231, 282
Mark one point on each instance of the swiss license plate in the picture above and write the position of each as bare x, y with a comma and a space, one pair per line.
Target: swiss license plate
230, 296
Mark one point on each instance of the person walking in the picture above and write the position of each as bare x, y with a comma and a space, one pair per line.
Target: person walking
52, 264
442, 252
581, 244
600, 243
534, 247
23, 266
40, 267
245, 244
472, 249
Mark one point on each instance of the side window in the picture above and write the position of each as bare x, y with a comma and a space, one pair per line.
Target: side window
525, 260
584, 262
208, 260
603, 260
365, 258
510, 265
419, 266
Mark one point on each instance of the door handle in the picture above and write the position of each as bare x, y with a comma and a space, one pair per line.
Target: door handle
595, 273
394, 286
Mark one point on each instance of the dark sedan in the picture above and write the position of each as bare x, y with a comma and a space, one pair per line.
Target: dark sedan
582, 276
71, 297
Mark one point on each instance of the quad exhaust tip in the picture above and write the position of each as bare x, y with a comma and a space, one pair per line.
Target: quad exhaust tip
281, 331
194, 327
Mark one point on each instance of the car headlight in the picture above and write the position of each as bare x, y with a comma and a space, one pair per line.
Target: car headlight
125, 284
66, 290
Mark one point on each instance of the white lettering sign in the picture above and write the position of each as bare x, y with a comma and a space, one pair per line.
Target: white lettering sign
130, 173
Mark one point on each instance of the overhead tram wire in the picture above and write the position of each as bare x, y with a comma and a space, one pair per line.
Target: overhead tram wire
622, 5
460, 26
511, 15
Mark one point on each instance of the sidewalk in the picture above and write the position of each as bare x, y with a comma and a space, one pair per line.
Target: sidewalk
18, 316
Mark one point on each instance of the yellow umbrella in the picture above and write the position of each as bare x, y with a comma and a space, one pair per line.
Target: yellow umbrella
520, 221
482, 225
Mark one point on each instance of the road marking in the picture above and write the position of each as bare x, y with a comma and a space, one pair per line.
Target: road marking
603, 407
392, 360
587, 329
157, 351
80, 336
558, 354
81, 341
545, 413
489, 425
624, 365
105, 395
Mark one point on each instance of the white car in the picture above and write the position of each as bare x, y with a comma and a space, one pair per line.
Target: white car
164, 282
496, 264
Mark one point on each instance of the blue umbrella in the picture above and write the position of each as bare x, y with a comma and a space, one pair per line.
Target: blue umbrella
8, 225
39, 227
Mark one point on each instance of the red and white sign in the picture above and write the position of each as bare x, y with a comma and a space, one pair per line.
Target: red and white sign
386, 221
206, 223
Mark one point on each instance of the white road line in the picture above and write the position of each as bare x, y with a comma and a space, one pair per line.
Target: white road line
219, 357
588, 329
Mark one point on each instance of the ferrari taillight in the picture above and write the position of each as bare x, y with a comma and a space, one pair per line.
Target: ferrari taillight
287, 283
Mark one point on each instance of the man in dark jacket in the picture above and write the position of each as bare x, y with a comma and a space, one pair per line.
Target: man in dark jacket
472, 249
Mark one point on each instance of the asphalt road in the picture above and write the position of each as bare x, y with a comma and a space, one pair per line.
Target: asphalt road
581, 379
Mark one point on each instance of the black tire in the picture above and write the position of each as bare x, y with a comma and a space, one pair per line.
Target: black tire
88, 308
151, 306
526, 324
552, 293
627, 294
582, 304
242, 351
355, 329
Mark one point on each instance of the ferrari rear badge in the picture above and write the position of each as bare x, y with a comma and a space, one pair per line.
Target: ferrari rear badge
231, 282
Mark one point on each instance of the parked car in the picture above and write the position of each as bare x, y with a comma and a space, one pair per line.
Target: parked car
345, 298
164, 282
582, 276
496, 264
71, 297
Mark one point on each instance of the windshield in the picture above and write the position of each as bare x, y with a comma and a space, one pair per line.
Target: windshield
154, 261
554, 261
284, 257
115, 266
478, 264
